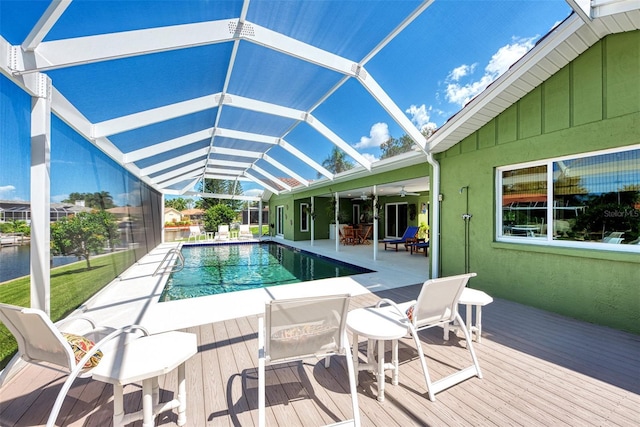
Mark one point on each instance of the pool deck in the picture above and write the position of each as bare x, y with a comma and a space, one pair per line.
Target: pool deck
538, 368
133, 297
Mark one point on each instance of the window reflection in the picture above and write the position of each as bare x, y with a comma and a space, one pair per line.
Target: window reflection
596, 199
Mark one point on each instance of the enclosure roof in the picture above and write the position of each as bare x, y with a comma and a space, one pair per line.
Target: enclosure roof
176, 92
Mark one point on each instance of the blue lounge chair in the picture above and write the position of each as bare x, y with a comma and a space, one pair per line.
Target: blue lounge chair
409, 233
415, 247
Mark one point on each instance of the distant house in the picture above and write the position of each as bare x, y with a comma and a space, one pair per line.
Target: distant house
172, 215
193, 215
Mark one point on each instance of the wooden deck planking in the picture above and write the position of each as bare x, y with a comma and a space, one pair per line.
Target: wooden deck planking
539, 369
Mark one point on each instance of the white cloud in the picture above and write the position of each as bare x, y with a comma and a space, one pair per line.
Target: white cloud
369, 157
378, 134
461, 71
500, 62
421, 117
6, 190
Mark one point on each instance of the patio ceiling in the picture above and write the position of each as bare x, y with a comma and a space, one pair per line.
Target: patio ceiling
176, 92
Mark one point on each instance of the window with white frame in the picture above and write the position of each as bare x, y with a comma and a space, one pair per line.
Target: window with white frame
304, 217
588, 200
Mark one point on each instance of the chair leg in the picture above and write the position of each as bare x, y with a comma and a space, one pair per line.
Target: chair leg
423, 362
352, 381
261, 373
469, 339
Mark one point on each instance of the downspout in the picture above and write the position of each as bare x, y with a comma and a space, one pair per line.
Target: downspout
435, 222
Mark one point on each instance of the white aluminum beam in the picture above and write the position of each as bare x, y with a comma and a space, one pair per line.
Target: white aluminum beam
222, 196
228, 163
262, 107
171, 144
167, 164
390, 107
226, 177
45, 23
229, 173
285, 169
408, 20
83, 50
154, 115
246, 136
190, 185
235, 152
290, 46
299, 154
339, 142
271, 177
180, 178
261, 182
180, 171
40, 277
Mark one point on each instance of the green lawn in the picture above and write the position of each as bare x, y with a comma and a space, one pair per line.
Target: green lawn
71, 285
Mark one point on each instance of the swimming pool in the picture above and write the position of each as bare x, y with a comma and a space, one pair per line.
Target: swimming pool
218, 269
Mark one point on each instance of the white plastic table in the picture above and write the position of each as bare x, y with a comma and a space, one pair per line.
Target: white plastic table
145, 359
373, 324
471, 297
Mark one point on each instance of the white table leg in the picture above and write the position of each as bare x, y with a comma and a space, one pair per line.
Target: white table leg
380, 370
478, 323
356, 359
394, 361
118, 405
147, 402
182, 395
468, 319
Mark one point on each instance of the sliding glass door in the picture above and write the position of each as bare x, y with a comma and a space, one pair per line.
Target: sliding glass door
396, 219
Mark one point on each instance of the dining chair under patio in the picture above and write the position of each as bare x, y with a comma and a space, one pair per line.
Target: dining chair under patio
437, 305
302, 328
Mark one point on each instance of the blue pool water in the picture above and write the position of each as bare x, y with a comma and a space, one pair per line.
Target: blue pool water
217, 269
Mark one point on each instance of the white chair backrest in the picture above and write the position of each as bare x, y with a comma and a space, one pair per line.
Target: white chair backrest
305, 327
38, 338
245, 228
438, 299
194, 229
223, 229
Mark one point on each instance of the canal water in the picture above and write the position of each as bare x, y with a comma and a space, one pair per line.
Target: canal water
14, 262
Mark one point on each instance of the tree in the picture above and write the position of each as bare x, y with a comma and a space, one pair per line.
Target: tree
337, 161
217, 215
99, 200
219, 186
83, 234
392, 146
178, 204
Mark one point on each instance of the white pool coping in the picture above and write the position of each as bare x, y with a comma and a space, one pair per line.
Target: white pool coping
133, 298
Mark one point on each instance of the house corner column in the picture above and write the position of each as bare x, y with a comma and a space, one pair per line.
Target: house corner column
40, 193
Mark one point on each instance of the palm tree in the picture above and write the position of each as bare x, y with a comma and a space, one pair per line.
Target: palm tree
337, 161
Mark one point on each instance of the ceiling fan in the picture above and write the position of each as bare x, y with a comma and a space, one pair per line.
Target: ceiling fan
363, 196
403, 193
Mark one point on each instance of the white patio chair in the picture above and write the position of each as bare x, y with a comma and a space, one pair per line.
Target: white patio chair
41, 342
297, 329
222, 233
245, 232
195, 232
437, 305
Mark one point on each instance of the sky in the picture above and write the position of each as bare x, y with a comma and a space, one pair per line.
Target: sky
431, 70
